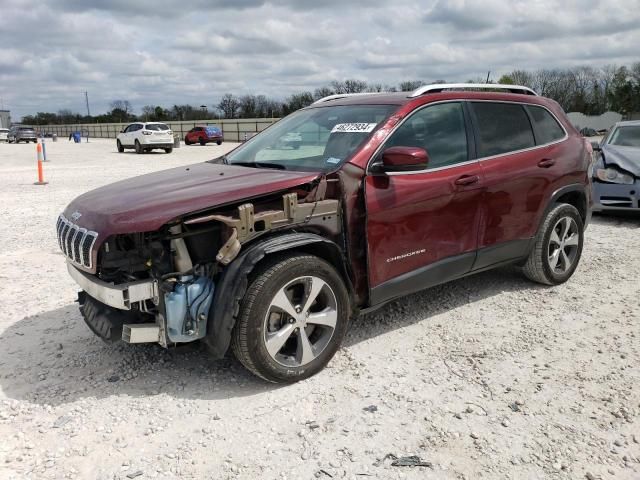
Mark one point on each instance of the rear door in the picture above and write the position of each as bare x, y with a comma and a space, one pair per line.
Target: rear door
422, 227
518, 173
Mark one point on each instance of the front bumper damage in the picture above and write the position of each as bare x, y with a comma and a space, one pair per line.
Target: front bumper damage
616, 197
110, 310
121, 296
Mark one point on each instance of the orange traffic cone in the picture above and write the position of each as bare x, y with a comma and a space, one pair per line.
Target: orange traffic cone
40, 174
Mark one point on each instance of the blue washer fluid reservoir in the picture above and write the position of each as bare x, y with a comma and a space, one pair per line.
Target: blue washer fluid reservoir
196, 295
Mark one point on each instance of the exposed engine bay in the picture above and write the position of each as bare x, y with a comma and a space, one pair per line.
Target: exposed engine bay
160, 286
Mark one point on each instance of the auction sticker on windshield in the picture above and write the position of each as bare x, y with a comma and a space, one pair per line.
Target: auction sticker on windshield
353, 128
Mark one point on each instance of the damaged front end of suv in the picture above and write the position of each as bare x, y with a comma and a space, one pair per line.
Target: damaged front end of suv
250, 250
159, 286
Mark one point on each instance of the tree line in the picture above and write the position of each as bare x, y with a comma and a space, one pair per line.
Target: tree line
585, 89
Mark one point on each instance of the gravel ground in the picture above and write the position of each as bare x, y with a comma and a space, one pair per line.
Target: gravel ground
487, 377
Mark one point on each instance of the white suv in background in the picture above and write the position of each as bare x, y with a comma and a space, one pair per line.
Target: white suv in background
144, 137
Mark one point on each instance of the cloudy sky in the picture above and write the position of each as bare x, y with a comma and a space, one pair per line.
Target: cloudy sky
167, 52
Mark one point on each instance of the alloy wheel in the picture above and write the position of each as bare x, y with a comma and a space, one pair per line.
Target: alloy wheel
563, 245
300, 321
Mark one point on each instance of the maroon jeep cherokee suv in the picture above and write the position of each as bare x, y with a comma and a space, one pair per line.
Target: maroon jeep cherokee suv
271, 250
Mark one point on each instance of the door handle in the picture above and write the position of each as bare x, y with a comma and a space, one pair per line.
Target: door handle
467, 180
546, 163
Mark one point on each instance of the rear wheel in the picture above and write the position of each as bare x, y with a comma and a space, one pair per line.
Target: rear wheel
292, 319
219, 142
139, 149
558, 247
168, 150
203, 142
120, 147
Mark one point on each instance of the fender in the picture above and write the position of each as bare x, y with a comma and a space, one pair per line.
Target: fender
584, 190
233, 283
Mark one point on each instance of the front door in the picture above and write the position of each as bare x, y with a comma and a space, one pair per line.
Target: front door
422, 227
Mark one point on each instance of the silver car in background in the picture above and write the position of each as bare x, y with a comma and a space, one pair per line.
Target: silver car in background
616, 171
4, 132
19, 134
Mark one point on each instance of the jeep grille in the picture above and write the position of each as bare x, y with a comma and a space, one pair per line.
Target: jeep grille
76, 242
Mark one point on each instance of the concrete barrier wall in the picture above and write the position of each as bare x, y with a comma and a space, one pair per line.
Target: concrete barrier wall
233, 130
597, 122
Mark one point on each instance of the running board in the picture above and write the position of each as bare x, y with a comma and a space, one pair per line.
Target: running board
141, 333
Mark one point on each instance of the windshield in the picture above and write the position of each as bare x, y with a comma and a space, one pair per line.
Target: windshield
26, 129
626, 136
156, 127
317, 139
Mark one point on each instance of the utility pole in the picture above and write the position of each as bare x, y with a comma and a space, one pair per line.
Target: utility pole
488, 73
86, 98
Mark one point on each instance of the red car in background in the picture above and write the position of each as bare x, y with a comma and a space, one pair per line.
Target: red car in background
203, 135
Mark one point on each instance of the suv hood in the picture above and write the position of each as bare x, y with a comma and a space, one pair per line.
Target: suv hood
627, 158
146, 202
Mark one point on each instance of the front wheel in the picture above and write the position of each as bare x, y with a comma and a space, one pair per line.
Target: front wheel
119, 145
558, 247
203, 142
292, 319
168, 150
219, 142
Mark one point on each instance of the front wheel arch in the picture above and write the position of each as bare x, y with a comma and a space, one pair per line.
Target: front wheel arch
234, 281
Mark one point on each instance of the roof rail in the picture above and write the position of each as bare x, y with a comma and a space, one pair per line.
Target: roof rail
343, 95
439, 87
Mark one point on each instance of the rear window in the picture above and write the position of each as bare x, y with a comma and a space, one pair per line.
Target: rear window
502, 128
547, 128
157, 127
26, 129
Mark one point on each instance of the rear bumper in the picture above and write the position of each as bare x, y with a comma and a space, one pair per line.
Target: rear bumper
120, 296
616, 197
156, 142
157, 145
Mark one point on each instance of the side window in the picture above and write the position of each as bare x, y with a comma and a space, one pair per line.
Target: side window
502, 128
129, 129
547, 128
439, 129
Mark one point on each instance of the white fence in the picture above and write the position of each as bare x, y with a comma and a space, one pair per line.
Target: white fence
233, 130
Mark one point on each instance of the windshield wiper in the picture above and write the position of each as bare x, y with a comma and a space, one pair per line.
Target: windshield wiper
277, 166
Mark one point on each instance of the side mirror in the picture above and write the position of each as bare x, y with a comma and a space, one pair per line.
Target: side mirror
596, 146
404, 159
122, 131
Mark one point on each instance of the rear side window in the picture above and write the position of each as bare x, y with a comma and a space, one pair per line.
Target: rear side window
502, 128
547, 128
439, 129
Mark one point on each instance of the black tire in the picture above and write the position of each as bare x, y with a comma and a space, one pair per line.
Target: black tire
203, 142
538, 266
219, 142
186, 142
168, 150
248, 339
139, 149
120, 147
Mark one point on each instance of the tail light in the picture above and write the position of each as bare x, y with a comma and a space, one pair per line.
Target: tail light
146, 132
